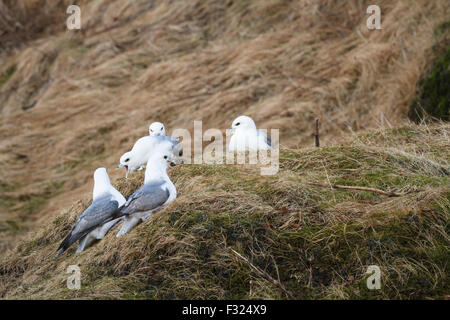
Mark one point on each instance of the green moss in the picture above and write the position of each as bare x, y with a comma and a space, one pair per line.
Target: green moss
409, 132
7, 203
388, 179
73, 46
90, 153
444, 26
229, 171
33, 204
434, 98
309, 258
7, 187
7, 74
11, 226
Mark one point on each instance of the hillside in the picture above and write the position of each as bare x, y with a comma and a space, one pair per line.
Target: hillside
73, 101
237, 235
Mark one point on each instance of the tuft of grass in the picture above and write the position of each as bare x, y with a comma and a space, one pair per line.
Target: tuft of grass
434, 97
441, 28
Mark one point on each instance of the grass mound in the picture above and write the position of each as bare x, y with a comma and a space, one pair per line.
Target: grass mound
67, 97
234, 234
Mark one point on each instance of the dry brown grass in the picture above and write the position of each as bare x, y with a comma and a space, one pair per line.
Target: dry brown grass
282, 62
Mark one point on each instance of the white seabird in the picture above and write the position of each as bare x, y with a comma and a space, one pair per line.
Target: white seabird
247, 137
158, 191
95, 222
156, 129
144, 147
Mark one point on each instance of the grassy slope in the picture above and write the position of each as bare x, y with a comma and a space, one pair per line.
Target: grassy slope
317, 242
282, 62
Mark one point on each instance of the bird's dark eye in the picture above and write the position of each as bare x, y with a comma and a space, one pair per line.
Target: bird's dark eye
165, 157
162, 128
128, 159
180, 153
238, 123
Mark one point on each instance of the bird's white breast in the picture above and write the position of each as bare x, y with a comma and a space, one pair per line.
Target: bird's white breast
117, 196
172, 191
246, 140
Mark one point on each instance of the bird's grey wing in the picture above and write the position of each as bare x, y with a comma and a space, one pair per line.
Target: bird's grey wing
100, 211
149, 197
138, 193
173, 140
266, 137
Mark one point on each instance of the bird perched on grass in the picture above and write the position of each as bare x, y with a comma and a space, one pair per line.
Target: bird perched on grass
95, 222
156, 129
144, 147
247, 137
158, 191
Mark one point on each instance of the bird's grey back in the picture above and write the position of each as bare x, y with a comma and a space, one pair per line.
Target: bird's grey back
101, 210
151, 196
170, 139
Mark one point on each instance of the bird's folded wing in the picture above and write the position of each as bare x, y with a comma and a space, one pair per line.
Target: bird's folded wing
149, 197
265, 136
100, 211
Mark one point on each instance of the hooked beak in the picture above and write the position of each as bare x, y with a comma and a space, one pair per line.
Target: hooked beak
126, 169
171, 162
175, 161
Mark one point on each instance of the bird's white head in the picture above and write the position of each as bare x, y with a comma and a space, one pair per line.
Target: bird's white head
127, 161
158, 163
100, 174
101, 182
243, 123
157, 129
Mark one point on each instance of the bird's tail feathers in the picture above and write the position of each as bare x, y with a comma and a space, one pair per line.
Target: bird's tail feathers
66, 243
